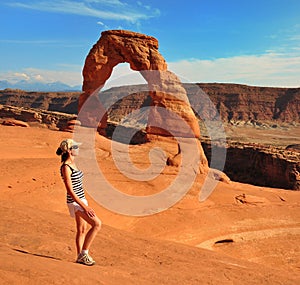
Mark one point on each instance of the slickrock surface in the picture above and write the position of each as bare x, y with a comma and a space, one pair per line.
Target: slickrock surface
241, 234
35, 117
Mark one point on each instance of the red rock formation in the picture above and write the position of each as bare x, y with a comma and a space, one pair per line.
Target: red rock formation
165, 89
13, 122
260, 165
243, 164
34, 117
115, 47
65, 102
235, 102
71, 125
238, 102
170, 113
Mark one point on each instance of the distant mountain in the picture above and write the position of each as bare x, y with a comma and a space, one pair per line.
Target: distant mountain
5, 84
39, 86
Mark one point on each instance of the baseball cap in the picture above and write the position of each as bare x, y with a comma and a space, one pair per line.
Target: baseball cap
67, 144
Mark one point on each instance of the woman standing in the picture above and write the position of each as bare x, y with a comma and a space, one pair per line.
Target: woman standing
76, 201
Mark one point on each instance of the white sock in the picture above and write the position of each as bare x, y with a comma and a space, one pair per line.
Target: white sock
84, 251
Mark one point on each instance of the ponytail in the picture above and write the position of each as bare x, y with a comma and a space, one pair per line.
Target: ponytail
64, 155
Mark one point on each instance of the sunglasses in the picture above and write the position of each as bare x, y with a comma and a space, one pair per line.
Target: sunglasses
75, 147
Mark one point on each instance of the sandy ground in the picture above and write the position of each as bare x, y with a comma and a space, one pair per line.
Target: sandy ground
241, 234
280, 136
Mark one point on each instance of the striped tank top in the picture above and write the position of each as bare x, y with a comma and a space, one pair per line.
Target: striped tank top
76, 179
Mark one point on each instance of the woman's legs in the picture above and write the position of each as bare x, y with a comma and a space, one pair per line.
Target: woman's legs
81, 227
85, 239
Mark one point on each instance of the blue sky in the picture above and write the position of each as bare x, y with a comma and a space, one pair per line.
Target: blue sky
241, 41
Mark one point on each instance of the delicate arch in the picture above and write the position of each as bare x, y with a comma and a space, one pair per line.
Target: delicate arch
141, 52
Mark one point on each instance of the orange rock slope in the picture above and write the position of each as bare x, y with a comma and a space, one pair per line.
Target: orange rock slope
241, 234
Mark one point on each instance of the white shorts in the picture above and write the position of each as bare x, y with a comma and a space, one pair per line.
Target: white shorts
74, 207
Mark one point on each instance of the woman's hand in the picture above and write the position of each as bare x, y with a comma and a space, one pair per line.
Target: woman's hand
90, 212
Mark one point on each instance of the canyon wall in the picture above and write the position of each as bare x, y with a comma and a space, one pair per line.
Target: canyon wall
245, 103
259, 165
66, 102
234, 102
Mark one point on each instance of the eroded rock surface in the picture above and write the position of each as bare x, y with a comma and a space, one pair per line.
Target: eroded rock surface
244, 104
170, 113
165, 89
115, 47
10, 115
65, 102
259, 165
13, 122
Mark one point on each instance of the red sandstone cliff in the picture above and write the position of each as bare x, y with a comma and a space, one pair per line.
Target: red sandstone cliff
259, 165
66, 102
233, 101
242, 102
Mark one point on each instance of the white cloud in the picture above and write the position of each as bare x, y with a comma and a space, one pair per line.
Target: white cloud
295, 38
103, 25
21, 76
103, 9
71, 78
271, 69
38, 77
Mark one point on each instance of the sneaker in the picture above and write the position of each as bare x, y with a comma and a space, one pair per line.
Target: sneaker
90, 258
85, 259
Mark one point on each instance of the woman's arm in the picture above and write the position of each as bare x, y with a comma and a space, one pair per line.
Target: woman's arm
66, 173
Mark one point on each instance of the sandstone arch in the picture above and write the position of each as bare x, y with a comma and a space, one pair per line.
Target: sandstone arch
165, 89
